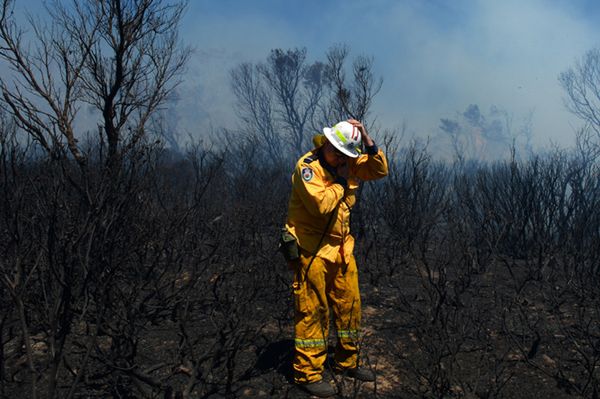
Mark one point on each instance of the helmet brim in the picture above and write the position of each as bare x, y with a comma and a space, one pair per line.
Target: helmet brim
332, 139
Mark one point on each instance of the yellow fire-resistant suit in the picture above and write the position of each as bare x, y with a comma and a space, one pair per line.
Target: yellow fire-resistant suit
331, 278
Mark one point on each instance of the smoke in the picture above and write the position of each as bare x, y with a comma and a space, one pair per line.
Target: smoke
436, 57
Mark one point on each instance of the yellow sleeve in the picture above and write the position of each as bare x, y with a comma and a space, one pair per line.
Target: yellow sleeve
317, 197
371, 167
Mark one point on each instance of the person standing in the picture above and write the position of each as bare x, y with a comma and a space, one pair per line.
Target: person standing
324, 184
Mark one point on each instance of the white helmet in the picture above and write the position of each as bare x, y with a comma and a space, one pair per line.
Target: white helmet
345, 137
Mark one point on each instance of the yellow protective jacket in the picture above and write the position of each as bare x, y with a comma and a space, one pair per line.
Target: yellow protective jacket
315, 194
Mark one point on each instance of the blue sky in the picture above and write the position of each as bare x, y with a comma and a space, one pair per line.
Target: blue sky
436, 57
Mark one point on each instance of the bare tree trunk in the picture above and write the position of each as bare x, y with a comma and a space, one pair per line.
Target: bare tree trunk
28, 345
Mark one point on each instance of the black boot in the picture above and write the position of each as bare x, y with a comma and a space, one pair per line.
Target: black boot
358, 373
320, 388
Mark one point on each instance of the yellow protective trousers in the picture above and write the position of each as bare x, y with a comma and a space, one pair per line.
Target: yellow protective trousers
327, 284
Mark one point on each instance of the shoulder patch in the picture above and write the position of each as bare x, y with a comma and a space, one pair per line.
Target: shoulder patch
307, 174
308, 159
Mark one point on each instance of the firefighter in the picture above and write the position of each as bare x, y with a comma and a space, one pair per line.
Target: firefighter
324, 185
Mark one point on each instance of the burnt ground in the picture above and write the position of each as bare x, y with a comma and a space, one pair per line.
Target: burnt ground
495, 332
509, 336
494, 367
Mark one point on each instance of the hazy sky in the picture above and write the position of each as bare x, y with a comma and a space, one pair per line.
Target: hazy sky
436, 57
